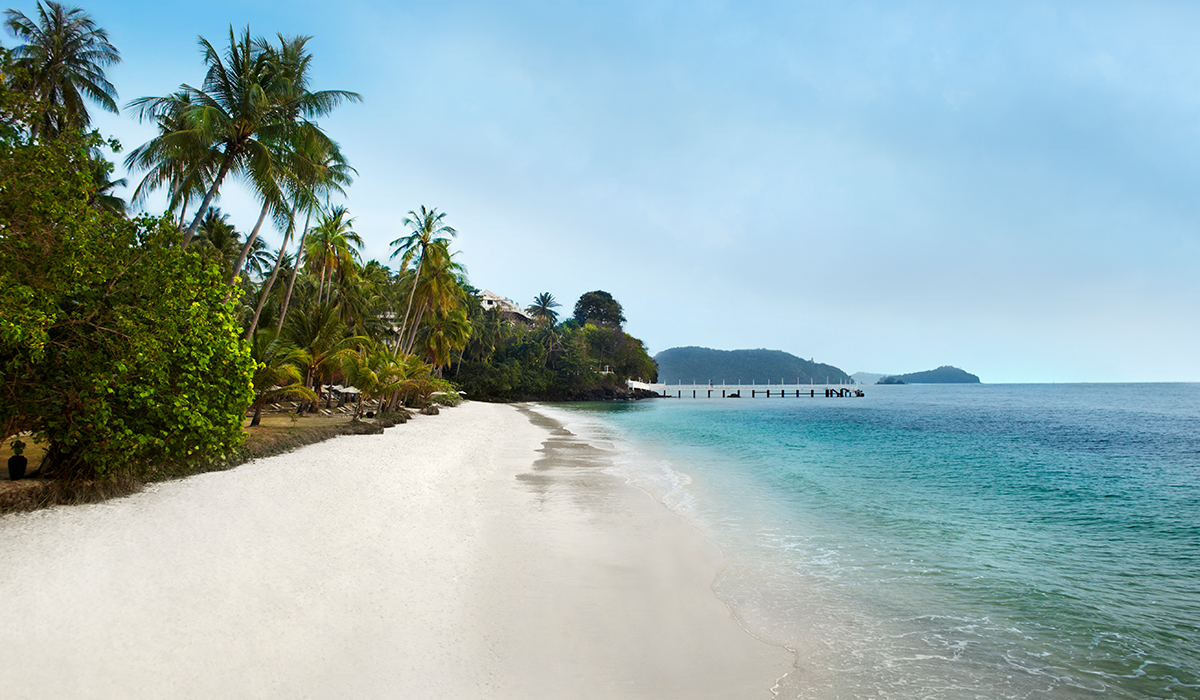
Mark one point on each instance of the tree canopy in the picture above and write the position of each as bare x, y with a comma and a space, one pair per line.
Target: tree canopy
598, 307
117, 349
62, 61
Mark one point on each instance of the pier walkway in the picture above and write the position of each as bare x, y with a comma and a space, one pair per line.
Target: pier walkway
712, 390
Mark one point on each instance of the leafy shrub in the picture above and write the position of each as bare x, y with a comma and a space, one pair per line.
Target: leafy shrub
118, 350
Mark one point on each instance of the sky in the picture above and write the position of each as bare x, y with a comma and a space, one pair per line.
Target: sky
1010, 188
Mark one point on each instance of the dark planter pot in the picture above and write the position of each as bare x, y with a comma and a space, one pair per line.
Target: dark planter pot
16, 467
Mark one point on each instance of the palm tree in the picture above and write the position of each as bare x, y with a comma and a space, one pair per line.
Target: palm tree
321, 334
65, 55
439, 290
178, 159
248, 107
376, 371
328, 174
332, 248
102, 196
549, 338
293, 155
276, 372
216, 231
543, 307
408, 376
427, 229
256, 261
312, 165
446, 333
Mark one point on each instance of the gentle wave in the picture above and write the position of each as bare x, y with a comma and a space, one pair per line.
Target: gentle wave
944, 542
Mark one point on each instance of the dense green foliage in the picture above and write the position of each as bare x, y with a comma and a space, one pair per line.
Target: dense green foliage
598, 307
702, 365
564, 361
942, 375
117, 348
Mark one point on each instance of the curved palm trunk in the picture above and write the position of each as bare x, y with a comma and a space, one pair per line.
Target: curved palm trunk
208, 198
287, 298
408, 309
237, 268
412, 336
262, 296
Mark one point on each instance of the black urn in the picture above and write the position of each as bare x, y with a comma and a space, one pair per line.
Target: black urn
18, 462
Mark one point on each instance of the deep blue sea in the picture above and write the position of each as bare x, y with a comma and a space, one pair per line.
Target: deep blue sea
943, 541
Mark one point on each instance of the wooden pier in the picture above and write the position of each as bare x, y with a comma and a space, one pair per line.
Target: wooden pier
712, 390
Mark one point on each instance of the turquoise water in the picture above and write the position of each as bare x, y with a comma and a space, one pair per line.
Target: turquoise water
978, 541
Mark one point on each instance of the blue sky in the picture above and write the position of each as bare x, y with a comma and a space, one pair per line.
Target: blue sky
884, 186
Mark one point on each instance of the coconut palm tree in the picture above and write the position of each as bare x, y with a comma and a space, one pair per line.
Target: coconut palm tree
312, 165
276, 371
64, 56
543, 307
293, 156
549, 338
438, 290
102, 196
408, 379
246, 110
319, 332
216, 231
178, 159
446, 333
255, 262
376, 371
427, 228
328, 175
332, 247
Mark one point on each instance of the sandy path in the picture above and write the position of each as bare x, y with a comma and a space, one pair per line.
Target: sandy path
469, 555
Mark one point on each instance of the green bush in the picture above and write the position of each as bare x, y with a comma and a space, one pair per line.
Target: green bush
117, 349
445, 393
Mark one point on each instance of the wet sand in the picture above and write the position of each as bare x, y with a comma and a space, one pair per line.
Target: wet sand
481, 553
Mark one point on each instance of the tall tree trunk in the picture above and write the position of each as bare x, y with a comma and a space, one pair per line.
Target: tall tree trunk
308, 381
266, 289
321, 284
208, 198
408, 309
237, 269
412, 335
287, 298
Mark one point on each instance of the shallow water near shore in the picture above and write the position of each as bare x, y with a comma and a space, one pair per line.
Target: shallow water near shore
989, 541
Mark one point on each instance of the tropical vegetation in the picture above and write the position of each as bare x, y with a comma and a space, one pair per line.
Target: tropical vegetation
131, 339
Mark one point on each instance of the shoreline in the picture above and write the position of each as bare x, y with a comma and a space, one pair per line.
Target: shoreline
479, 554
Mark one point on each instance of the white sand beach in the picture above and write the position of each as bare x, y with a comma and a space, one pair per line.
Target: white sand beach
481, 553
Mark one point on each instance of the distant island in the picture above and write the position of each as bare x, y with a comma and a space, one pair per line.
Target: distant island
942, 375
695, 364
867, 377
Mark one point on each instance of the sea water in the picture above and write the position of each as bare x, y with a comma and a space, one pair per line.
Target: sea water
943, 541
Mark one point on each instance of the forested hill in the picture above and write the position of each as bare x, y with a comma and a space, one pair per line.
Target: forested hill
942, 375
702, 365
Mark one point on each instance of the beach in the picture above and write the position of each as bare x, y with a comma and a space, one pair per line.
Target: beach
481, 553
